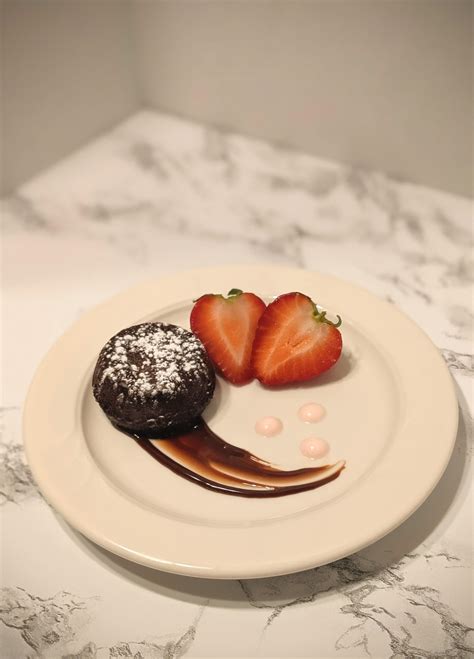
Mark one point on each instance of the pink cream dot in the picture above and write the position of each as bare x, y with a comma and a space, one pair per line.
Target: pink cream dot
314, 447
311, 412
268, 426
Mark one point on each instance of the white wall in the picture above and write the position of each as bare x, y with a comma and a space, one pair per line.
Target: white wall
67, 75
382, 83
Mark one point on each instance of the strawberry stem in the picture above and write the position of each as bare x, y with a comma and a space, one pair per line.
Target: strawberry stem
320, 316
234, 292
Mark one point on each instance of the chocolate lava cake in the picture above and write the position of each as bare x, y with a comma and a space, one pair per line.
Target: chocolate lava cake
153, 378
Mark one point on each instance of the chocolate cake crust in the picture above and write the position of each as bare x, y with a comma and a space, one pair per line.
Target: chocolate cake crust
153, 377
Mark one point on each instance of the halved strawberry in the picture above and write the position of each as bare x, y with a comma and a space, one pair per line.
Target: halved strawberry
294, 341
226, 326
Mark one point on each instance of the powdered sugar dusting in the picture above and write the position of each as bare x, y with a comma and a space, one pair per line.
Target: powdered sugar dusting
152, 359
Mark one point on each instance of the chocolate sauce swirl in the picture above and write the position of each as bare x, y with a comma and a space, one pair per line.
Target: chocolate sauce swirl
202, 457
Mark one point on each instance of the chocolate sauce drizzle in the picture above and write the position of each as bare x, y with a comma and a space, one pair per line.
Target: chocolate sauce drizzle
202, 457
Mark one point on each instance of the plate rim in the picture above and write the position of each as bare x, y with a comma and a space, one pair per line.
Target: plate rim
263, 568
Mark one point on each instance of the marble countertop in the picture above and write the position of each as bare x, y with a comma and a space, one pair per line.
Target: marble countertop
158, 195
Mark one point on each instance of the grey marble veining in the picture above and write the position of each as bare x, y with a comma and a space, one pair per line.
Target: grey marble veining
158, 195
457, 361
43, 623
49, 625
16, 480
365, 584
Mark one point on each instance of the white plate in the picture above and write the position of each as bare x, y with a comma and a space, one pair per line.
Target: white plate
391, 414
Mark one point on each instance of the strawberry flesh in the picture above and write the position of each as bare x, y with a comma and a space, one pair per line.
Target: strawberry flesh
294, 342
227, 326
